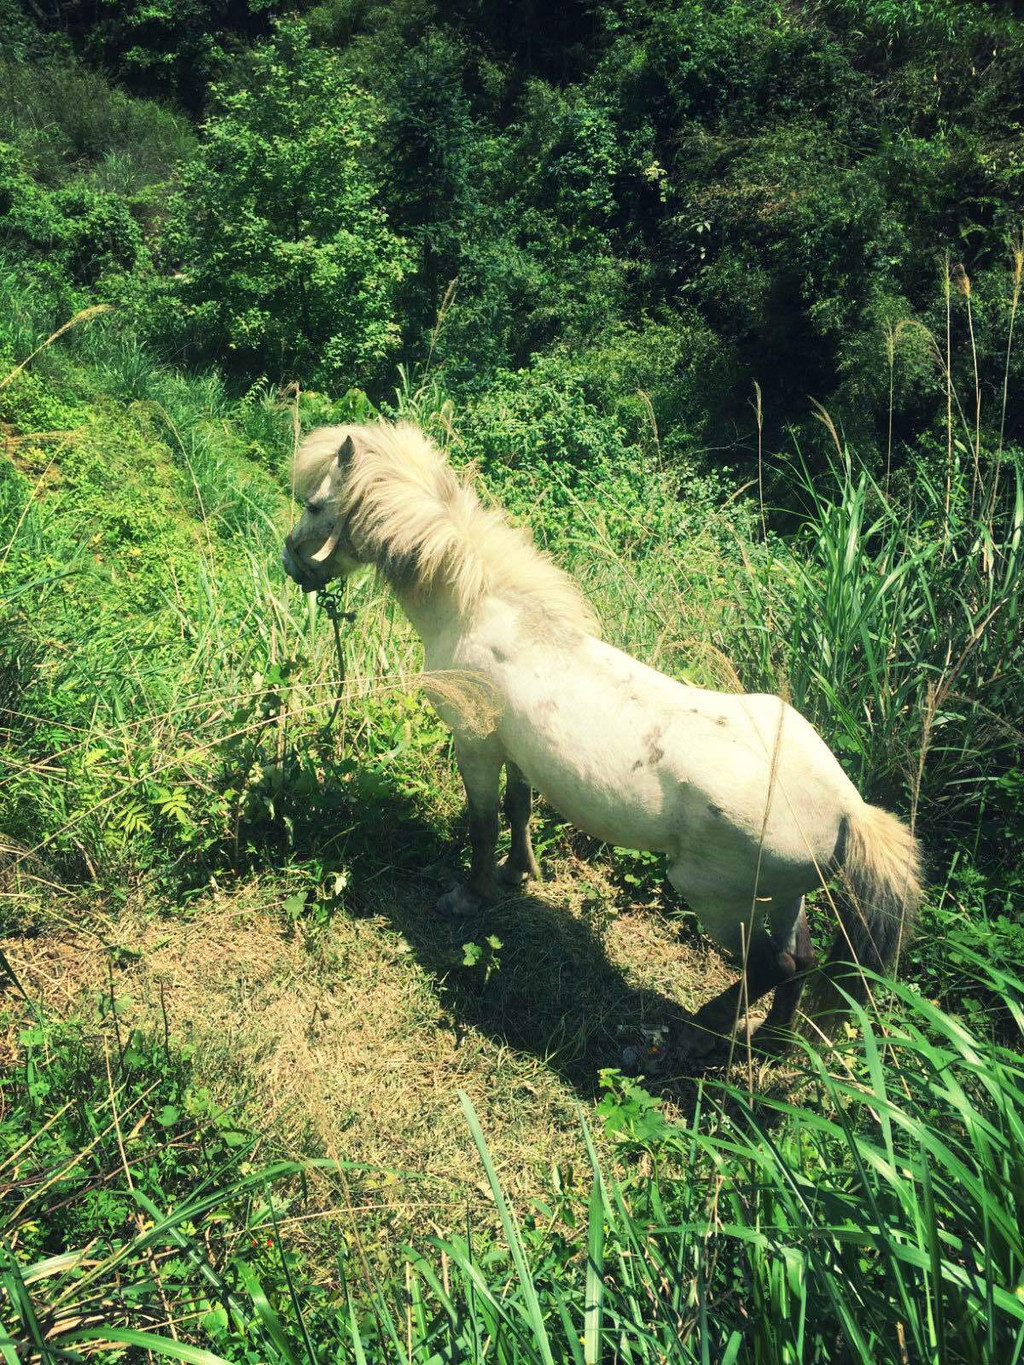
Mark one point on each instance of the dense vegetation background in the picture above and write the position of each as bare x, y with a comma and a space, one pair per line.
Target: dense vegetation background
679, 199
720, 297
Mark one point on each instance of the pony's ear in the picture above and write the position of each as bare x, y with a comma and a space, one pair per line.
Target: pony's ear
345, 452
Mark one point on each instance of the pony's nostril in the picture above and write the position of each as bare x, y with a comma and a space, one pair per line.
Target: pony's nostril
292, 567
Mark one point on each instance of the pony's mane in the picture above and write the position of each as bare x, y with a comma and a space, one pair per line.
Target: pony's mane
422, 522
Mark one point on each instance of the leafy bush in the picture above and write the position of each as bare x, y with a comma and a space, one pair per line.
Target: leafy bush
173, 49
76, 232
534, 428
667, 382
288, 263
67, 120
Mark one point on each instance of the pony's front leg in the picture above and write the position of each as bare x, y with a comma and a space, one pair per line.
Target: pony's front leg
480, 766
520, 865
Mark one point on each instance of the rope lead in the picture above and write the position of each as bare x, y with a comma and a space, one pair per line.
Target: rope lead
329, 600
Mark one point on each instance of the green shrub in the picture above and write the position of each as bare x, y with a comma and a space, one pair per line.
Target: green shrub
534, 430
288, 262
67, 120
79, 233
668, 382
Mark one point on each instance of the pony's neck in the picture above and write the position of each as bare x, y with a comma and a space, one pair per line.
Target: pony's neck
443, 553
434, 615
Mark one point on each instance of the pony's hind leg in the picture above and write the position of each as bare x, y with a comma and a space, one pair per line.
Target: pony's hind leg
480, 766
520, 865
793, 939
768, 961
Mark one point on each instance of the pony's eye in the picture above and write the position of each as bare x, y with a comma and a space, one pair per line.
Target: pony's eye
314, 506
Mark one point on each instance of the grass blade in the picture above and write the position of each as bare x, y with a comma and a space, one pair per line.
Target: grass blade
533, 1309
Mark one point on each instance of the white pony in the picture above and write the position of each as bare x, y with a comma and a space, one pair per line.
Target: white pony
740, 792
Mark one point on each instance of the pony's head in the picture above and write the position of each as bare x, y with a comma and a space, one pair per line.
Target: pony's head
319, 548
385, 495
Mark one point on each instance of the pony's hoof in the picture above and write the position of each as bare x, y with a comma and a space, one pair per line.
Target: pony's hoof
458, 903
513, 876
695, 1045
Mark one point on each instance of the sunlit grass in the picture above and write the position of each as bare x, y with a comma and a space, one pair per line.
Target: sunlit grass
874, 1211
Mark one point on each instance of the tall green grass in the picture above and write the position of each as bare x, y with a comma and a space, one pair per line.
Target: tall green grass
895, 624
164, 688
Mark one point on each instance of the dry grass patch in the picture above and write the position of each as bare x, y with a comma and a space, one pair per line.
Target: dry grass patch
353, 1043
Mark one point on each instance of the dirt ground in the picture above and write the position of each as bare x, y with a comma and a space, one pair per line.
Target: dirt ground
352, 1042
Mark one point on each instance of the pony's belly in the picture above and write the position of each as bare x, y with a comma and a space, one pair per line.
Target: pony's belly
608, 801
607, 821
610, 824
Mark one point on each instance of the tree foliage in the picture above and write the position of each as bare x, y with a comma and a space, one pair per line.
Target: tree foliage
173, 48
75, 232
287, 260
467, 187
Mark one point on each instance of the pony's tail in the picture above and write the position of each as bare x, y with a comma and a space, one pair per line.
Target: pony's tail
880, 861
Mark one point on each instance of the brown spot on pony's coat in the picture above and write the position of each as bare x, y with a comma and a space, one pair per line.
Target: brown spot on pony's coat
655, 753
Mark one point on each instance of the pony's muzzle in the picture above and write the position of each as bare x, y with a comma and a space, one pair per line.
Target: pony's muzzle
307, 579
